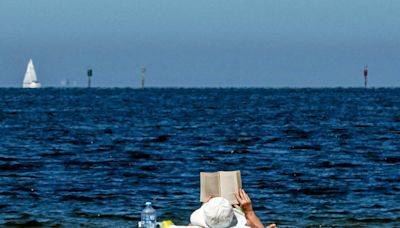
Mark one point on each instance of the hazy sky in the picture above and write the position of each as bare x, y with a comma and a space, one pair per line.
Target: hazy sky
202, 43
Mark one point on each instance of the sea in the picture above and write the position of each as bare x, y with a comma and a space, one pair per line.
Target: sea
309, 157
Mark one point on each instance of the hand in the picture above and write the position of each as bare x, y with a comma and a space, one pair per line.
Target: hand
244, 201
247, 208
208, 199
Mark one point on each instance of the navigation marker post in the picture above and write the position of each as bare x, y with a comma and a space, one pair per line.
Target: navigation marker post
143, 71
89, 74
365, 76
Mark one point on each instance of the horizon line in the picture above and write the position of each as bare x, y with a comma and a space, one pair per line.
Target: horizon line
203, 87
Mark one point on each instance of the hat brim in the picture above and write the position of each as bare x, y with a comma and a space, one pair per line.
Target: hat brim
198, 219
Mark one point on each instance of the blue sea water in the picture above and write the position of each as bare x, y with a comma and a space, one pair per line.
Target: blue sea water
93, 157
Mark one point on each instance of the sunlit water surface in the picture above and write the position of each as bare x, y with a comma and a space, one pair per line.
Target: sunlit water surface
92, 157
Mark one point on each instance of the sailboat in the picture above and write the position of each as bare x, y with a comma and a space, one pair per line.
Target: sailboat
30, 80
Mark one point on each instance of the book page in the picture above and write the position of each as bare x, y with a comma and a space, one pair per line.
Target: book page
230, 182
209, 185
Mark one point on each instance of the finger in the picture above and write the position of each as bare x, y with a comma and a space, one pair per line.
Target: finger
238, 198
236, 206
241, 193
245, 196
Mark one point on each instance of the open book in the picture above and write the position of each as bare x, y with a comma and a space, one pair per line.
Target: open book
222, 183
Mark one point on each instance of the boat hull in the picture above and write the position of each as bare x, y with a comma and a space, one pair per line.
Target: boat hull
32, 85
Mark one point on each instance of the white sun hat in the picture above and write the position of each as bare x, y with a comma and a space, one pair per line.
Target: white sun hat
218, 213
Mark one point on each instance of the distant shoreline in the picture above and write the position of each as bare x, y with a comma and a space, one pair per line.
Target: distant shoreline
227, 87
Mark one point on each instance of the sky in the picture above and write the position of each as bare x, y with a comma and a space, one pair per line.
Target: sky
202, 43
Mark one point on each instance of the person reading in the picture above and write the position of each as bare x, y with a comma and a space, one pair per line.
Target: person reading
217, 212
225, 203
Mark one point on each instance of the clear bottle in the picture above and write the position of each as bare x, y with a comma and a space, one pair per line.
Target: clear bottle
149, 217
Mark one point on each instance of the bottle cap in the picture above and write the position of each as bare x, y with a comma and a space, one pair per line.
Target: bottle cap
148, 203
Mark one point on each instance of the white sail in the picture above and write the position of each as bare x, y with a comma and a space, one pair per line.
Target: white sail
30, 79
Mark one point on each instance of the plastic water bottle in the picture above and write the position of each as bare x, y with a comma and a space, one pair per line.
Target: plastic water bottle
149, 216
